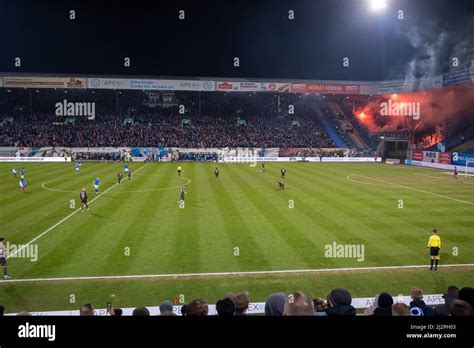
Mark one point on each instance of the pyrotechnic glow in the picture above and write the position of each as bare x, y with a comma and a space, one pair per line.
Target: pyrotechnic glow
438, 109
431, 139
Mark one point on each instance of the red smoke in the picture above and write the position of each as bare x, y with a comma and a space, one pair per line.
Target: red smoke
442, 112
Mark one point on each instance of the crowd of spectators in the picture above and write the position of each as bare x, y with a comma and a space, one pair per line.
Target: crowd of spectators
216, 120
314, 152
457, 302
204, 131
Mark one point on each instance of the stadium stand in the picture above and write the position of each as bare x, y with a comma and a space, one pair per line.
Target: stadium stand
456, 141
218, 120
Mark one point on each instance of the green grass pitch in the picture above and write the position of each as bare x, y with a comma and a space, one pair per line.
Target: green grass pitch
239, 223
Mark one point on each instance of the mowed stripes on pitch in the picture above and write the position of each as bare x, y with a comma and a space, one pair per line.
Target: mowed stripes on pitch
32, 212
244, 210
63, 246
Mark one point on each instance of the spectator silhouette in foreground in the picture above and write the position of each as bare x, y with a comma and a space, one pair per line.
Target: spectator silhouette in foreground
384, 305
339, 303
418, 307
197, 307
166, 309
225, 307
86, 310
141, 312
452, 294
320, 306
467, 294
400, 309
116, 312
242, 301
275, 304
460, 308
298, 304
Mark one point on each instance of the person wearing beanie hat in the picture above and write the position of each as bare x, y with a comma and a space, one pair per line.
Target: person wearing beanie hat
384, 305
275, 304
339, 302
166, 308
225, 307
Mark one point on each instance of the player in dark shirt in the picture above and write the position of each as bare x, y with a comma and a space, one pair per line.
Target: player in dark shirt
119, 177
129, 174
283, 173
263, 167
83, 197
216, 173
3, 258
281, 184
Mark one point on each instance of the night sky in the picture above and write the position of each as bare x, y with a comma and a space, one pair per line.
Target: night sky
269, 45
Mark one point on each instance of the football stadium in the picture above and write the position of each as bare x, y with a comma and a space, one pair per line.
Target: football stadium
136, 193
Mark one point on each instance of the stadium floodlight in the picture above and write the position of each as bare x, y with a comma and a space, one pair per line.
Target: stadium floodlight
377, 5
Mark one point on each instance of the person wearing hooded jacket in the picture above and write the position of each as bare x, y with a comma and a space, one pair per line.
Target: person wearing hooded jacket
275, 304
384, 305
339, 303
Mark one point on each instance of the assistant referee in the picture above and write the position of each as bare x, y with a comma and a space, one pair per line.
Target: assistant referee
434, 244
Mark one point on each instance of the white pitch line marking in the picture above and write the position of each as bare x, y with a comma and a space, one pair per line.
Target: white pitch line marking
407, 187
65, 219
213, 274
349, 178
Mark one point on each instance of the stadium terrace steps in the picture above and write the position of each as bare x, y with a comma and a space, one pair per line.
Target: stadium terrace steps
357, 128
345, 123
467, 147
327, 125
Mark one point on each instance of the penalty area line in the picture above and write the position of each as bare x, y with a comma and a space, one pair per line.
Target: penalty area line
406, 187
65, 218
214, 274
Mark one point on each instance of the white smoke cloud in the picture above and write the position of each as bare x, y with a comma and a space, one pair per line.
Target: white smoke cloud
435, 44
